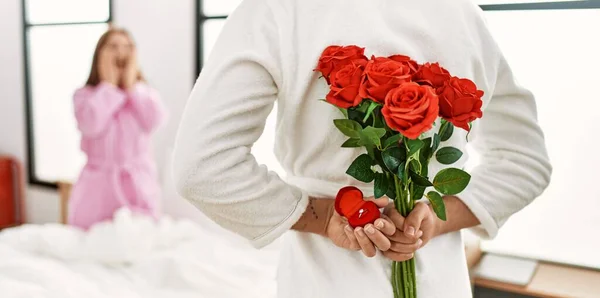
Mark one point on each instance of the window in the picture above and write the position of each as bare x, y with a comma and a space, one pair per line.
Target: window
212, 15
553, 49
211, 18
59, 41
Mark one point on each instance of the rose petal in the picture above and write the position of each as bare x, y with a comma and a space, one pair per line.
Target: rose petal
463, 105
334, 100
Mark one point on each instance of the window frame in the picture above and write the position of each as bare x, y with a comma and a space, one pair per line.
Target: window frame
201, 19
559, 5
31, 169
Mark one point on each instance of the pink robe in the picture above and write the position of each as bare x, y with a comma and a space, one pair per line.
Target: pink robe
116, 128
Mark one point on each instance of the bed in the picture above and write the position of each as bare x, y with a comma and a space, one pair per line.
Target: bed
133, 256
182, 255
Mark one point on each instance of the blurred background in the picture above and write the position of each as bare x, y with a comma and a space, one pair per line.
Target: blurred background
46, 49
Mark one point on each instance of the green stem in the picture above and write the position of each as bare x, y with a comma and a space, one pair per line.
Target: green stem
394, 283
414, 276
405, 279
404, 273
402, 285
398, 293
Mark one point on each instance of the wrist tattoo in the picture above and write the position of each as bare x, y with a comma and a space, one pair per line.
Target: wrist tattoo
312, 209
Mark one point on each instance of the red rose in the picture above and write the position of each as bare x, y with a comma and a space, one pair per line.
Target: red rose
411, 109
384, 74
414, 66
460, 102
344, 86
335, 58
432, 74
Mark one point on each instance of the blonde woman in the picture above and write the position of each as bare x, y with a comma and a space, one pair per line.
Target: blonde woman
117, 112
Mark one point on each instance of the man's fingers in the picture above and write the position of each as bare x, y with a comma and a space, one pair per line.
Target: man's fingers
398, 257
406, 248
353, 242
381, 202
365, 243
385, 225
412, 224
396, 218
401, 237
379, 239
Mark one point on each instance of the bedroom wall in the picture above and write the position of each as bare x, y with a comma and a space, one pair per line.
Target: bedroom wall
164, 31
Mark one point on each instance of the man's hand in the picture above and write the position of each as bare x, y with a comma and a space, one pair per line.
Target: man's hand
412, 233
367, 239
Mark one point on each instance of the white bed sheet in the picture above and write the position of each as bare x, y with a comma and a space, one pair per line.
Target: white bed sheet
132, 257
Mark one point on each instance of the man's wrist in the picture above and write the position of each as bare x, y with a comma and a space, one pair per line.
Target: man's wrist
328, 214
316, 217
458, 217
439, 225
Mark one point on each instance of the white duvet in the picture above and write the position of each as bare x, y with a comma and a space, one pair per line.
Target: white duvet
132, 257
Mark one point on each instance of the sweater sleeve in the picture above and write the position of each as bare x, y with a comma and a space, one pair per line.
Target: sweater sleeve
514, 167
147, 107
225, 115
96, 106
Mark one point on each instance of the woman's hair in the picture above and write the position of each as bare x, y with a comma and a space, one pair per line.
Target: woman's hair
94, 78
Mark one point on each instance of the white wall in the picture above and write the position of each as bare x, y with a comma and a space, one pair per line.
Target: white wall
164, 31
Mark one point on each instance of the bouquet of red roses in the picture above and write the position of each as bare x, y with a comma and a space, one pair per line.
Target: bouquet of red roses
389, 104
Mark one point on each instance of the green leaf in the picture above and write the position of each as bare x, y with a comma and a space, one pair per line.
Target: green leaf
372, 106
348, 127
364, 106
451, 181
393, 157
355, 115
401, 170
414, 146
415, 165
344, 112
417, 193
448, 155
392, 141
425, 152
361, 170
370, 150
381, 185
446, 131
372, 135
379, 131
352, 143
391, 192
419, 180
379, 123
402, 174
436, 143
437, 202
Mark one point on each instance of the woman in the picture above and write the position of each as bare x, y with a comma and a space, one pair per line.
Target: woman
116, 113
267, 51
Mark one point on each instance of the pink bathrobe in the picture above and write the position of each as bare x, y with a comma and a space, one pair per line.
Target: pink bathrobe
116, 128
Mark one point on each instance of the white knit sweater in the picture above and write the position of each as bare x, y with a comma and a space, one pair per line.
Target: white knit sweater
266, 54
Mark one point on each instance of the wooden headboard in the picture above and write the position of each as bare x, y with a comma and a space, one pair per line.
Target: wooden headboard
64, 191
